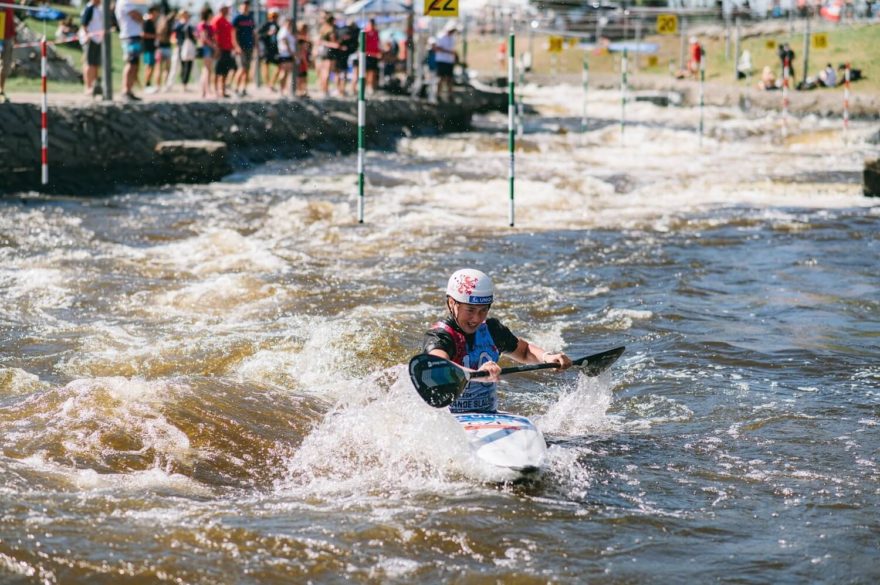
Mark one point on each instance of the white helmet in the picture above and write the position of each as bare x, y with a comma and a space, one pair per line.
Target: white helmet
471, 286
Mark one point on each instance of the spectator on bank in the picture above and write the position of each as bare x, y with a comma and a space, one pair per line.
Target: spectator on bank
185, 37
349, 37
786, 56
66, 33
854, 74
207, 50
326, 52
164, 52
286, 51
696, 57
91, 35
374, 54
130, 21
268, 44
7, 36
828, 76
149, 45
744, 65
390, 58
768, 79
245, 28
303, 60
446, 57
224, 35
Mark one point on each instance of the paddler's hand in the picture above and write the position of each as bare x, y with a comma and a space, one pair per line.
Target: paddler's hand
494, 371
562, 360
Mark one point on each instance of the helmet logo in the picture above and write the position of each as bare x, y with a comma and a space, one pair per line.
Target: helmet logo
466, 284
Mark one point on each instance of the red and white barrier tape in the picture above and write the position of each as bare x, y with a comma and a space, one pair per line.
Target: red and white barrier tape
68, 40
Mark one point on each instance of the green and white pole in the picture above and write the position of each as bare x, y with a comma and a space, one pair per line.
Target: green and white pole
520, 105
585, 79
511, 114
362, 118
702, 96
623, 63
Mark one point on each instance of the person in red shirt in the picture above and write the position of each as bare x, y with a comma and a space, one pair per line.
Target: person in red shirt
696, 51
7, 35
374, 53
224, 36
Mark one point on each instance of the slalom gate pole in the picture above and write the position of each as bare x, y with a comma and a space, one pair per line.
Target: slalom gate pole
702, 96
785, 67
623, 93
585, 82
511, 133
44, 114
846, 78
362, 107
520, 108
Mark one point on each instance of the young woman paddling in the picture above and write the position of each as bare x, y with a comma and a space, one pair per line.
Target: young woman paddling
468, 338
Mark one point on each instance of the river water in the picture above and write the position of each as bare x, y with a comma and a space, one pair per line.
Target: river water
203, 384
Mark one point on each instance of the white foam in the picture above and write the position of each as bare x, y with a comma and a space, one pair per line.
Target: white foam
383, 438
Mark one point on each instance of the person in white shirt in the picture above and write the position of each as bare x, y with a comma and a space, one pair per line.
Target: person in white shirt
445, 57
129, 15
828, 76
91, 34
286, 52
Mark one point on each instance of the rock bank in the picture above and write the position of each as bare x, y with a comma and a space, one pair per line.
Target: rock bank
104, 146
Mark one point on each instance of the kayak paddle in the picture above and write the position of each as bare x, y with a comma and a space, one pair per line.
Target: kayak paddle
440, 382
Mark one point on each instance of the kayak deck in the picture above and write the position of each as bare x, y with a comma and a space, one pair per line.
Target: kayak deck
505, 441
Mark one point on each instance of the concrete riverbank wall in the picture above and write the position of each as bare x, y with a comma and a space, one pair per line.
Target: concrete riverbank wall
100, 147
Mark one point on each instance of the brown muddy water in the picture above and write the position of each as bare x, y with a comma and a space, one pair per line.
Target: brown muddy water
205, 384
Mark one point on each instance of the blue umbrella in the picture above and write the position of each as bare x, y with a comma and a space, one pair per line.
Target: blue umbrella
48, 14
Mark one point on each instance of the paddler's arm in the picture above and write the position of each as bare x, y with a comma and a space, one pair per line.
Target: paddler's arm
529, 353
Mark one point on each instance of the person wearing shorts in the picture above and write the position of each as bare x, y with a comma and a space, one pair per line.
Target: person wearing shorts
374, 53
91, 33
286, 51
148, 45
245, 38
7, 36
446, 58
130, 20
224, 36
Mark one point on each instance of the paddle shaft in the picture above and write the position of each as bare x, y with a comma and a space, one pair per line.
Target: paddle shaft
513, 370
587, 361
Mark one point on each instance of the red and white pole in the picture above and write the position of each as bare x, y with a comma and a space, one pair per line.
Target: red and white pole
846, 77
44, 117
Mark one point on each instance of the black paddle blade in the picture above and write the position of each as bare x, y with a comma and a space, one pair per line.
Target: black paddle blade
438, 381
595, 364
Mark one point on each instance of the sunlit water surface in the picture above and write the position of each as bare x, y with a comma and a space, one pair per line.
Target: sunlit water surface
205, 384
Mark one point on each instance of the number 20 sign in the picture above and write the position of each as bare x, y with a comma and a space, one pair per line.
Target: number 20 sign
667, 24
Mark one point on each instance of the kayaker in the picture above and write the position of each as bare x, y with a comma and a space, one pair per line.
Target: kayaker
468, 338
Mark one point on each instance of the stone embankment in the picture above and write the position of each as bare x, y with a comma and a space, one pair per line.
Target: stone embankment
104, 146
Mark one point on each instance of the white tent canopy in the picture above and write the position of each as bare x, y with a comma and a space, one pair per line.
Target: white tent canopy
377, 7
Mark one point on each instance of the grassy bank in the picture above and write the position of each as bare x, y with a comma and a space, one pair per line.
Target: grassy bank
857, 45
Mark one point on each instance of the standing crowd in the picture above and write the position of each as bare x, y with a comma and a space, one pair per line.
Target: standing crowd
221, 53
161, 44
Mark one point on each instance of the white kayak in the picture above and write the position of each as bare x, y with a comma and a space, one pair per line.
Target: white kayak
510, 444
